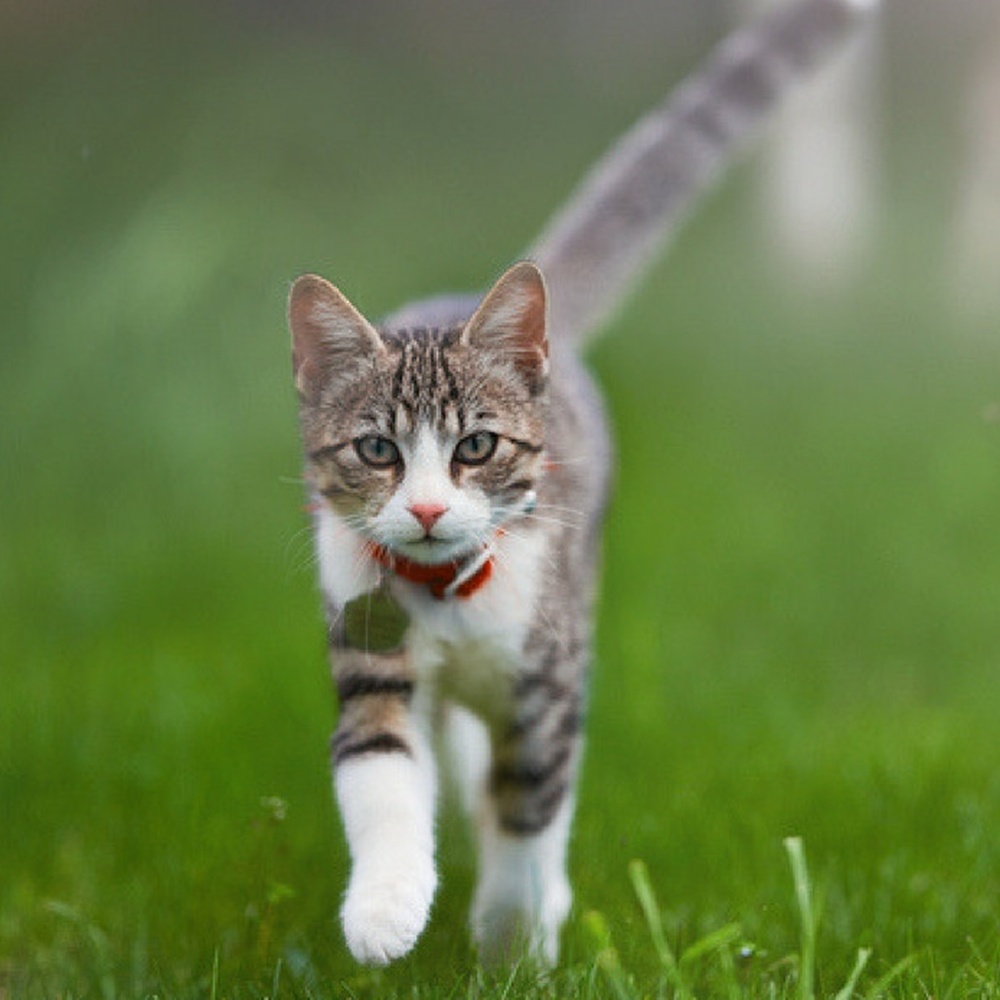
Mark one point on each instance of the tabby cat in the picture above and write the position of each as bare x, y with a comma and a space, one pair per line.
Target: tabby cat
457, 458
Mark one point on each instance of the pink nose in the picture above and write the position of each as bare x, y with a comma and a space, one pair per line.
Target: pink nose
427, 514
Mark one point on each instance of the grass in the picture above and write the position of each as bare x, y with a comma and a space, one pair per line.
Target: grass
798, 634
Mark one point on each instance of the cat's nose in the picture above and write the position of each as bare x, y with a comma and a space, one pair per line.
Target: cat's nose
427, 514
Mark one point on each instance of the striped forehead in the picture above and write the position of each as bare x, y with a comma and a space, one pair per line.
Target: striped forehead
424, 388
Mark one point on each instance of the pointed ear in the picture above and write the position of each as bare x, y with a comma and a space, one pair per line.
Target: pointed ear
512, 321
328, 333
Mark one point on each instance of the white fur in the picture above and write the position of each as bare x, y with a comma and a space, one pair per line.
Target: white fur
427, 461
523, 895
387, 805
468, 744
467, 650
345, 572
500, 611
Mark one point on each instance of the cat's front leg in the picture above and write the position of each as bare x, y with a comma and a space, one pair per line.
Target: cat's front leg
523, 895
385, 784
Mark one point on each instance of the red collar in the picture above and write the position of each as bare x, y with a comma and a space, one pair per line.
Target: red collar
460, 578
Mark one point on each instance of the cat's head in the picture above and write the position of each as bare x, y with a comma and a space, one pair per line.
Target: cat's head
425, 441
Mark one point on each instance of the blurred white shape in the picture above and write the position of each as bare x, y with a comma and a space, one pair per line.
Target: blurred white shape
974, 263
820, 168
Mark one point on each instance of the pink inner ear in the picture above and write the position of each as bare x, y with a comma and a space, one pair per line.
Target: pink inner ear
533, 322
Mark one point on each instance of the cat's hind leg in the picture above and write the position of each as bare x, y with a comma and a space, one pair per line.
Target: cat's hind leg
523, 894
467, 749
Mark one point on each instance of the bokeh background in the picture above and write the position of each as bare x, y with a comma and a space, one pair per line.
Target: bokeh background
800, 628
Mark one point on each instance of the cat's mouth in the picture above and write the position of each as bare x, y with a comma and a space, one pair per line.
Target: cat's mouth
431, 550
434, 551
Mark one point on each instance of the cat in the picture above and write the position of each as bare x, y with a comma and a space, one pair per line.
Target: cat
458, 460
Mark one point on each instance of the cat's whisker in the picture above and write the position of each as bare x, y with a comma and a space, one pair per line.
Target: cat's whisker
559, 521
299, 553
513, 516
305, 563
560, 507
500, 556
368, 549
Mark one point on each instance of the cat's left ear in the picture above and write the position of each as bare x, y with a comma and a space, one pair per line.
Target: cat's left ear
512, 321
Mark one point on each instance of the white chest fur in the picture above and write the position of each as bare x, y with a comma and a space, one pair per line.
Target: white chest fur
467, 649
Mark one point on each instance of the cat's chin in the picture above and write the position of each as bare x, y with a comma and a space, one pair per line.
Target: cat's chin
434, 551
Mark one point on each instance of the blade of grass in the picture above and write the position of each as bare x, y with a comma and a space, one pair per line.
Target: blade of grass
276, 981
718, 943
96, 940
807, 916
717, 940
883, 982
607, 957
639, 875
214, 994
729, 974
852, 981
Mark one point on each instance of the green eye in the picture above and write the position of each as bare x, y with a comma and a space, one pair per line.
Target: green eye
476, 448
378, 452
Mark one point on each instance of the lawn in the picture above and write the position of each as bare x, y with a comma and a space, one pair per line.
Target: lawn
799, 633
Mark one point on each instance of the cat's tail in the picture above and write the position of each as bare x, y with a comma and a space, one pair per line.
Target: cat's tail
625, 210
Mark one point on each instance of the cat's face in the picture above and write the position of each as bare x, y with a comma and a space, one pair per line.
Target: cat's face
426, 442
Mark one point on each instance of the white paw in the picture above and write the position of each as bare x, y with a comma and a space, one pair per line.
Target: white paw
383, 916
508, 926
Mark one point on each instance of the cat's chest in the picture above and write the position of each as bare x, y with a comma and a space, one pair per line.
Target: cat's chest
468, 649
472, 649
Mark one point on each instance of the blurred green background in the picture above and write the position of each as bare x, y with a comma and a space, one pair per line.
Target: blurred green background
799, 632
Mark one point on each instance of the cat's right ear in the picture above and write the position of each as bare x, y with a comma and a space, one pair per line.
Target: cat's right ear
511, 321
328, 334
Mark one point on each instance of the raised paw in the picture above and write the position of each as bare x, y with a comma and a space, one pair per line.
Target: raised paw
383, 917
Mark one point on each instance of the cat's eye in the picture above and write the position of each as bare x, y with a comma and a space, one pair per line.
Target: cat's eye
476, 448
376, 451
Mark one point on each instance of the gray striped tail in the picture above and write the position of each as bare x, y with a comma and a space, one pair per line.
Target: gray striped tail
633, 200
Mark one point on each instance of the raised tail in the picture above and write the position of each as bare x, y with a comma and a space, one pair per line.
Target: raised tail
632, 201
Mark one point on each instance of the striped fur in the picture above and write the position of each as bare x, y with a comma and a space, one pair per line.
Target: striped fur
460, 430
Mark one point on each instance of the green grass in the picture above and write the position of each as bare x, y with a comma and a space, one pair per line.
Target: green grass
798, 635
